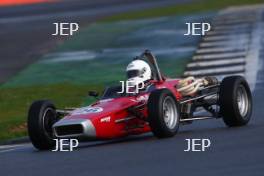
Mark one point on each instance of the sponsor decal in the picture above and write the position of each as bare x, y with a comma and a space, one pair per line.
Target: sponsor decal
87, 110
106, 119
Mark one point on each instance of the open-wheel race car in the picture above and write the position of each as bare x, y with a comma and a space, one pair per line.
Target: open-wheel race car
160, 106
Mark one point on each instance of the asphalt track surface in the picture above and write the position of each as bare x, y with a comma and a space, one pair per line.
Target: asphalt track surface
234, 151
25, 31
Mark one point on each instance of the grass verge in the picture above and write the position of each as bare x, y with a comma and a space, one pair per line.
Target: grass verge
17, 101
180, 9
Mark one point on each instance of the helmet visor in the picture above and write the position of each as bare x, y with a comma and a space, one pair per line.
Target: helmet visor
132, 73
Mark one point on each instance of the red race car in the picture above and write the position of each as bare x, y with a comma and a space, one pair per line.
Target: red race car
151, 103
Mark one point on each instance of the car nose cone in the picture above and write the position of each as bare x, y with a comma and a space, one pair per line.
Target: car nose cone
69, 128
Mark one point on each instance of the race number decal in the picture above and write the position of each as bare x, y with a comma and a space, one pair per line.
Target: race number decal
87, 110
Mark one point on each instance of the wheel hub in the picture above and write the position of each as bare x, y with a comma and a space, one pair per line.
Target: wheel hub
170, 112
242, 101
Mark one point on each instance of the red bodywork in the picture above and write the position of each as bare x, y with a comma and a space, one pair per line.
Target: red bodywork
113, 118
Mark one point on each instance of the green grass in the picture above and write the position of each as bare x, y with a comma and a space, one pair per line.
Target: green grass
17, 101
180, 9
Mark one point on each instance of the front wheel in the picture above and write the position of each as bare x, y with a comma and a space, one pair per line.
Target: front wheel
163, 113
235, 101
41, 117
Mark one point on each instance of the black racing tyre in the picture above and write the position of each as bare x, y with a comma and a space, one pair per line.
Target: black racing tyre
235, 101
41, 117
163, 113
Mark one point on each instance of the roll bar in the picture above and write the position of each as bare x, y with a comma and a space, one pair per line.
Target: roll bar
152, 60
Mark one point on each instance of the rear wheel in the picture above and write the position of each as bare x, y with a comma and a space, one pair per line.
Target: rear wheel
41, 117
235, 101
163, 113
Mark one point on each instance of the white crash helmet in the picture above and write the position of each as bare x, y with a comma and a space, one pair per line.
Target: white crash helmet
138, 71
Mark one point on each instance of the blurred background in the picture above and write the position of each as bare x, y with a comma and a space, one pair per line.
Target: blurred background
34, 64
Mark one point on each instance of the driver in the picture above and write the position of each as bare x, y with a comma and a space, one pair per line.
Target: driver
138, 72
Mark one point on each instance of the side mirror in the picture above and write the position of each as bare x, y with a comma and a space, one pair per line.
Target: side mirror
93, 94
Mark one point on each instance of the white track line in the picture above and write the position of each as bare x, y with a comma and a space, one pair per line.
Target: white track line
215, 63
234, 16
227, 21
231, 27
222, 49
249, 18
244, 34
241, 9
224, 43
226, 37
226, 32
10, 146
216, 70
219, 56
8, 150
